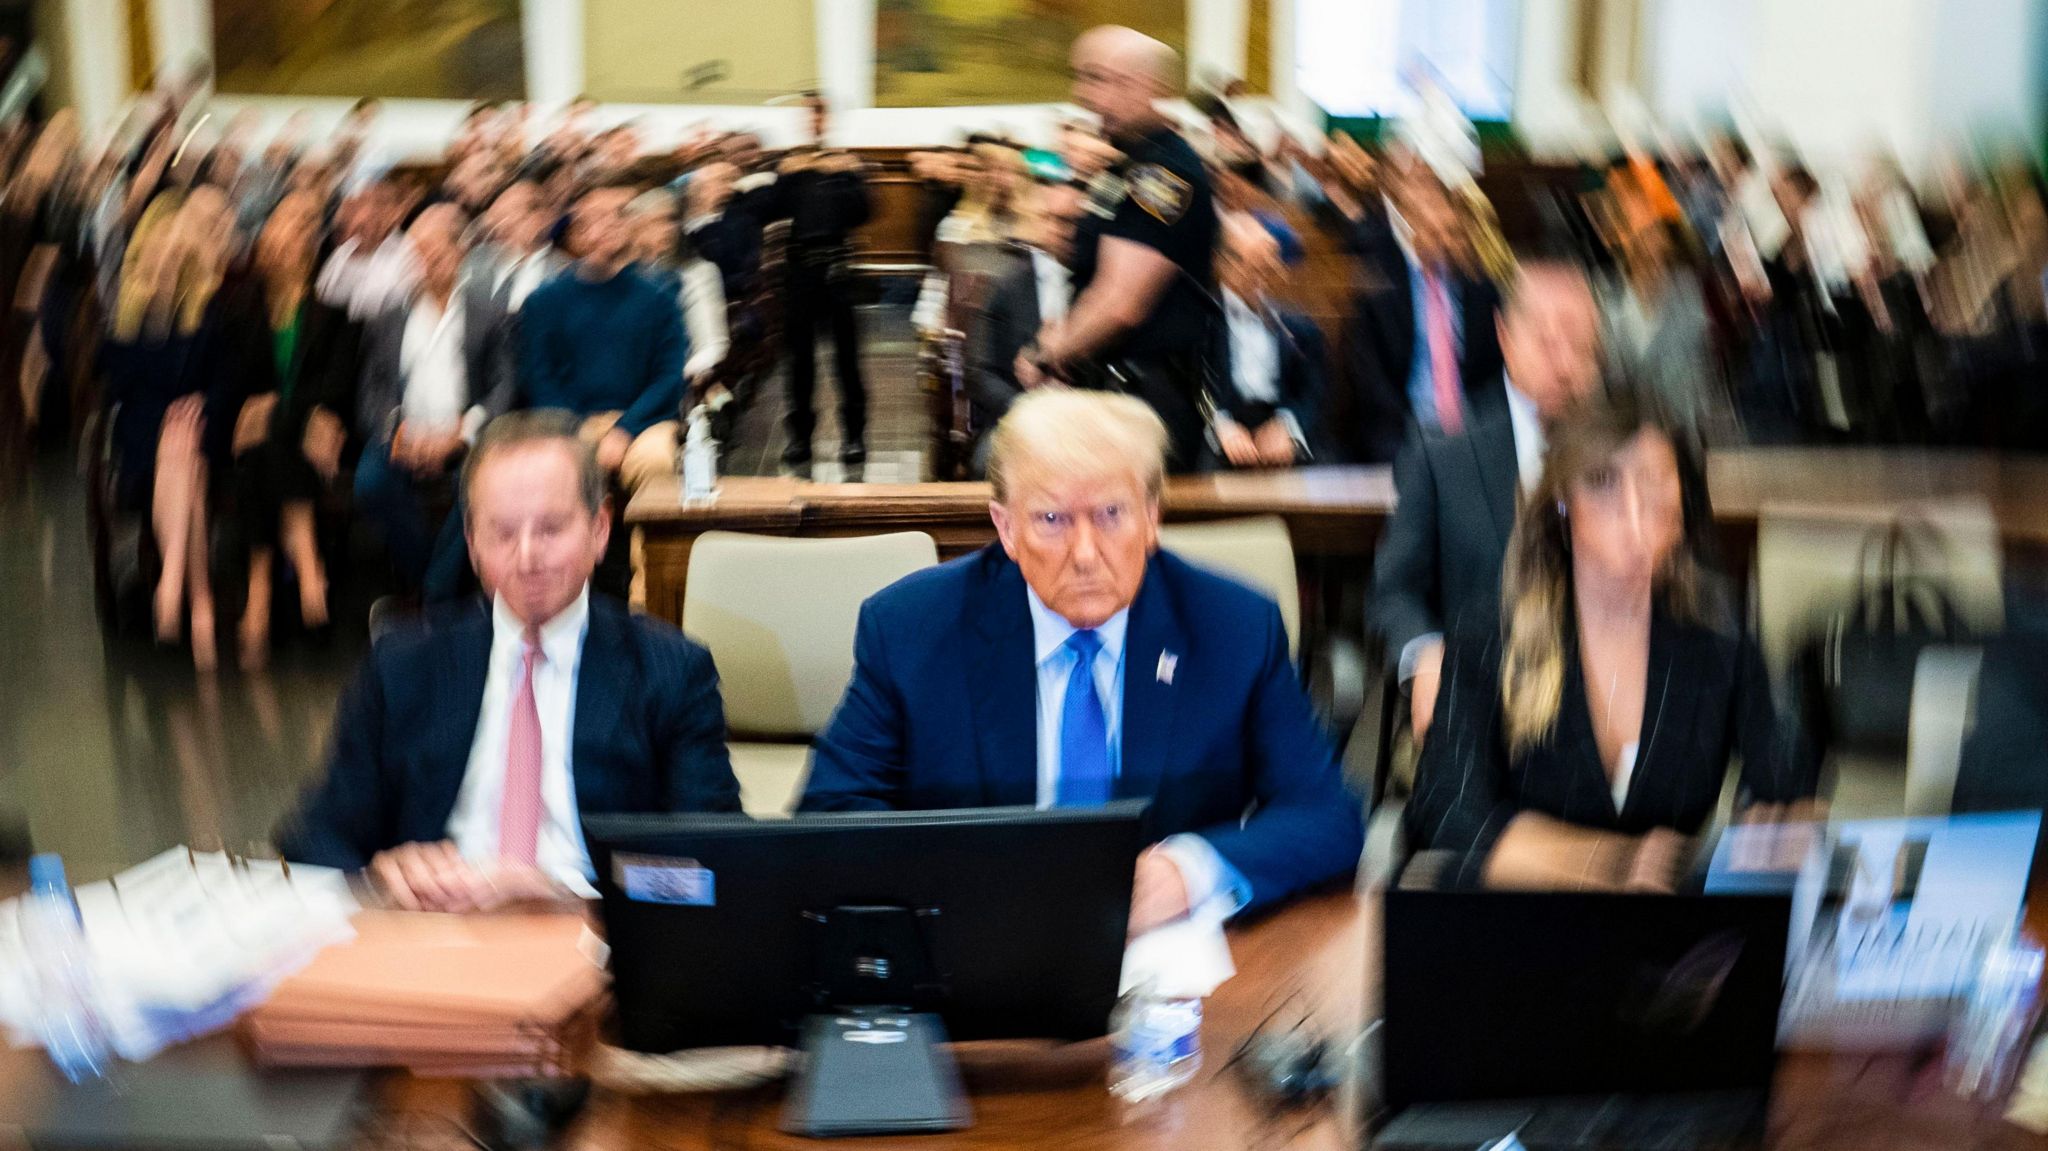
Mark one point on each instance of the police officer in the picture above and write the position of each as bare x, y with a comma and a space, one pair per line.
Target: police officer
824, 196
1145, 302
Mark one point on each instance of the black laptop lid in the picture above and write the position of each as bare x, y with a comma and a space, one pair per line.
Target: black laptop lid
1509, 995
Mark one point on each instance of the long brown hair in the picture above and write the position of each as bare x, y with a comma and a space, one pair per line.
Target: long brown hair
1536, 584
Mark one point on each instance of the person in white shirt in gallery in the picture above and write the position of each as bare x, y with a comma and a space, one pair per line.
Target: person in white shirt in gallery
471, 743
1268, 369
436, 369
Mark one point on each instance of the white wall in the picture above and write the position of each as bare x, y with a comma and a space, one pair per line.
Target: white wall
1840, 78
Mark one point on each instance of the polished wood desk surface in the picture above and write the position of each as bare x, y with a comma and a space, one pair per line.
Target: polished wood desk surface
1316, 958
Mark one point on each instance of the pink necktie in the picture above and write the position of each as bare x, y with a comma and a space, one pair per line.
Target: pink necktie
519, 811
1443, 353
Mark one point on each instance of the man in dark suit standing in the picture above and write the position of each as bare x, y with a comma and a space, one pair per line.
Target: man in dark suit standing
1441, 558
1074, 663
436, 369
467, 749
1420, 345
1269, 366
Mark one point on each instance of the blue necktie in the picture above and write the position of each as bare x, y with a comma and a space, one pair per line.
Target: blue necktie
1084, 731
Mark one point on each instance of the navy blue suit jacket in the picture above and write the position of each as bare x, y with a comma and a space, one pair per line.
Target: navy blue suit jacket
648, 734
943, 712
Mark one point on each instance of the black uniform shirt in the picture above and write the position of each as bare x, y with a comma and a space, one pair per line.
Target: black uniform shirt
1158, 195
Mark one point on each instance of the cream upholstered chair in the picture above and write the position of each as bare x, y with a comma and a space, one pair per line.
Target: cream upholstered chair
778, 616
1256, 551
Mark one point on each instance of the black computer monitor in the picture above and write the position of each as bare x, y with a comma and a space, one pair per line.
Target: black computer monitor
1003, 923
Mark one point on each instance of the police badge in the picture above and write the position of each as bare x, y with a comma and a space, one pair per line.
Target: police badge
1161, 193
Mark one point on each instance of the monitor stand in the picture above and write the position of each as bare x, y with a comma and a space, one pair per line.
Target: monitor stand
873, 1071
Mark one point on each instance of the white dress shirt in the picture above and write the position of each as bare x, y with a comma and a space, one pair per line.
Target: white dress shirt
474, 824
1530, 443
435, 371
1203, 872
1254, 351
1055, 287
703, 301
526, 273
367, 283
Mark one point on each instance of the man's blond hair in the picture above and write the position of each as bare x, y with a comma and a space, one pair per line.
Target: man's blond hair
1067, 433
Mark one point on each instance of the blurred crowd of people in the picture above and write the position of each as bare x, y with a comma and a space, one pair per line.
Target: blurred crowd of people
1757, 301
245, 332
247, 340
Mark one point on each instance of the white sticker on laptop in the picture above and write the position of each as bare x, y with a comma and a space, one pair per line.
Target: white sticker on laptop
662, 879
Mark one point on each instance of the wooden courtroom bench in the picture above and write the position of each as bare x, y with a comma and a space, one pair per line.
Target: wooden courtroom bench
1335, 514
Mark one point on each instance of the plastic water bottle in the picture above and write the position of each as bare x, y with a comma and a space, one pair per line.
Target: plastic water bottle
1156, 1043
52, 933
700, 459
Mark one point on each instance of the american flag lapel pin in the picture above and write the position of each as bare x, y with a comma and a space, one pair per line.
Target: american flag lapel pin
1167, 662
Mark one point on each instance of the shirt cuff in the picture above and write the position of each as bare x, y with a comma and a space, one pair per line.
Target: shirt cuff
1211, 882
1411, 652
473, 422
1294, 432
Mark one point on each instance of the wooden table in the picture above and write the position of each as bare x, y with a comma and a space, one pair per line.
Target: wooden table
1332, 512
1321, 950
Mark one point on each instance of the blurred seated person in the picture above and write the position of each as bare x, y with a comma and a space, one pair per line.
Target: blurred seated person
1658, 332
516, 256
1074, 662
469, 746
1438, 567
435, 371
604, 342
1419, 345
1582, 740
284, 373
723, 228
151, 360
993, 178
1034, 292
662, 256
373, 268
1270, 369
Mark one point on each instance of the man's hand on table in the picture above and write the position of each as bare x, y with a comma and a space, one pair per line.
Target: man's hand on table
435, 877
1159, 895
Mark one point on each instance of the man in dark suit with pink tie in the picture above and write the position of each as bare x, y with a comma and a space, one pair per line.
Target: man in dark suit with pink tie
469, 746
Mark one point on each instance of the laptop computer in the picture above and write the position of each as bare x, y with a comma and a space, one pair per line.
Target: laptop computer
1575, 1021
204, 1097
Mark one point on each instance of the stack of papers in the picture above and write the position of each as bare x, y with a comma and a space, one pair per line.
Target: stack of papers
181, 945
470, 996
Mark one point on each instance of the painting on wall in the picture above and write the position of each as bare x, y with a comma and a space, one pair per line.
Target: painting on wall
427, 49
698, 51
962, 52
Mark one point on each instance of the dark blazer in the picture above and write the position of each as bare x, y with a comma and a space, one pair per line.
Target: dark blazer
1439, 562
1009, 321
489, 356
243, 363
648, 734
1708, 699
1301, 373
1369, 413
943, 713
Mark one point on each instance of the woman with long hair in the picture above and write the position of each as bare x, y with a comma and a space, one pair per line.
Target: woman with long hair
152, 360
1583, 742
